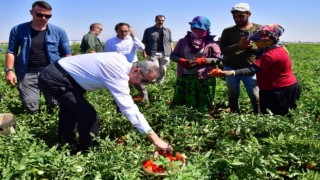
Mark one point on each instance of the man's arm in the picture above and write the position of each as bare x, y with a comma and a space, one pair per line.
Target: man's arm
91, 43
121, 93
144, 41
10, 76
64, 46
137, 43
171, 45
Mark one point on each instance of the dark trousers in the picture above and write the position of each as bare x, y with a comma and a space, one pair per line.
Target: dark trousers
280, 100
74, 108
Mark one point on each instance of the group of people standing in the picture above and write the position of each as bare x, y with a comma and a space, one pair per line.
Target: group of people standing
39, 59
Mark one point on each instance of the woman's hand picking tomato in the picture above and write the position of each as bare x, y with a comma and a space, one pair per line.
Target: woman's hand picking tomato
216, 73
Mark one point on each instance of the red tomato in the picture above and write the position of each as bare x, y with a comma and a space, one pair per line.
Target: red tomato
215, 72
149, 169
158, 168
180, 157
120, 140
148, 163
172, 158
310, 166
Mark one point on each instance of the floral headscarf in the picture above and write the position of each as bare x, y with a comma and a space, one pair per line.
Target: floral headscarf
267, 32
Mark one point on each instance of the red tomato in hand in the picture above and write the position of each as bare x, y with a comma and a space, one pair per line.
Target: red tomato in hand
215, 72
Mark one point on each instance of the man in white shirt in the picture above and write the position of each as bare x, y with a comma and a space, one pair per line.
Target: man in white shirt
126, 43
68, 79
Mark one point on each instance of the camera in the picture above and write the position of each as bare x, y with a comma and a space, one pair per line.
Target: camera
245, 34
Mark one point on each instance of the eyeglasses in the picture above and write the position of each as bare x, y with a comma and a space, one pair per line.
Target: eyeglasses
47, 16
99, 28
144, 80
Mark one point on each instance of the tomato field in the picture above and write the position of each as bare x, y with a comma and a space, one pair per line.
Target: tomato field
225, 146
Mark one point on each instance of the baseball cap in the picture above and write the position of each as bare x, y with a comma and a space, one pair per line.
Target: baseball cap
241, 7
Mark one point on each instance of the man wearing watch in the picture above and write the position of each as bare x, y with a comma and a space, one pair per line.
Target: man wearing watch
32, 46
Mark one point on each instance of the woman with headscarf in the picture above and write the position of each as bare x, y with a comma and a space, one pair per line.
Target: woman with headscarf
279, 89
196, 54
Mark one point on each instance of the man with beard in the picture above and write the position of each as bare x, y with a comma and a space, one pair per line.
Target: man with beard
159, 45
239, 52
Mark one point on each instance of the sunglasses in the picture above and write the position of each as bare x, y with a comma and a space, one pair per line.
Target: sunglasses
47, 16
144, 80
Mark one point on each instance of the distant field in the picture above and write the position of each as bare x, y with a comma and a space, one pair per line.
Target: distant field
231, 146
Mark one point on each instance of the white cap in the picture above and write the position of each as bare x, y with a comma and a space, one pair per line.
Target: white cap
241, 7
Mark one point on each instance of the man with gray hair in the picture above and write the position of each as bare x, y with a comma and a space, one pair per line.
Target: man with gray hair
90, 42
68, 79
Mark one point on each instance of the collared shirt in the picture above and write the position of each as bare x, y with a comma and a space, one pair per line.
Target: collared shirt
107, 70
90, 42
150, 40
127, 46
56, 45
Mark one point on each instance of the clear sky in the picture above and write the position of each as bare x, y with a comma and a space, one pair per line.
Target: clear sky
299, 17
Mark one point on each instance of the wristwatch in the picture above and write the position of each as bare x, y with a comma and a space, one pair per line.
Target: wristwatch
7, 70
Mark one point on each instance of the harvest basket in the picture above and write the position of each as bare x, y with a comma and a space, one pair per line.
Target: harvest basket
6, 122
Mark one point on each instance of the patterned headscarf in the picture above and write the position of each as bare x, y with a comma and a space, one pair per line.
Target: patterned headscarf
267, 32
196, 43
200, 22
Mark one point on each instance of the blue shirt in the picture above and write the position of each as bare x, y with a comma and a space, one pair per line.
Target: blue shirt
56, 45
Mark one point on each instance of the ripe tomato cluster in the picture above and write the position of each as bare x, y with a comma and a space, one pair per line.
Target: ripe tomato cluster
151, 167
177, 157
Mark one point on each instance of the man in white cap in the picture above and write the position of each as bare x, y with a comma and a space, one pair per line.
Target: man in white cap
238, 52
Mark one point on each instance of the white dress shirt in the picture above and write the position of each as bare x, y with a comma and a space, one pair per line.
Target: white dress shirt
127, 46
107, 70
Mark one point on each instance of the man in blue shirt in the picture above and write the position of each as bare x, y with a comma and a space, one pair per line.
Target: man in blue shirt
40, 44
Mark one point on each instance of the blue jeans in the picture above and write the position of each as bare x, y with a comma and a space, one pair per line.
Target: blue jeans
233, 85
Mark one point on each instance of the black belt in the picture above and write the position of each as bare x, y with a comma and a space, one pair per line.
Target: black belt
69, 77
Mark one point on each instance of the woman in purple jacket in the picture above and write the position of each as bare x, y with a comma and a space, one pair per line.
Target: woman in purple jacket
196, 54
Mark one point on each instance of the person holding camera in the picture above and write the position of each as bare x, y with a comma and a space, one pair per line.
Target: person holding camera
278, 87
238, 52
